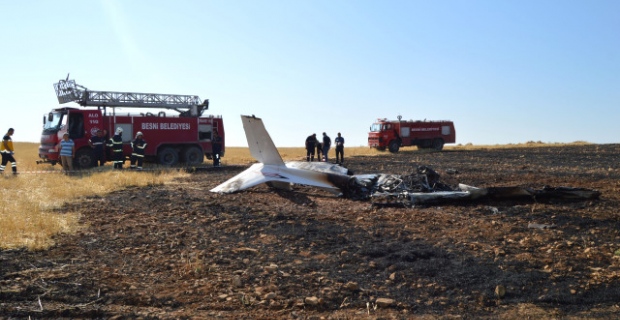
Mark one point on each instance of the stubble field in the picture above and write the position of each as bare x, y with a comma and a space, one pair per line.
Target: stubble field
174, 250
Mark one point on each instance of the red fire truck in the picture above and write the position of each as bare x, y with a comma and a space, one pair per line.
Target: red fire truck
181, 138
393, 134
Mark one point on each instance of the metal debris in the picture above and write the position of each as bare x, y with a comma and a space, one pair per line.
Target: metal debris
424, 187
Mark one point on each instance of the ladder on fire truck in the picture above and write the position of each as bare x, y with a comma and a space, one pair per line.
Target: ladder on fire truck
187, 105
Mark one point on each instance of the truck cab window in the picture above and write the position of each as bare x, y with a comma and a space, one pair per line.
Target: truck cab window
76, 125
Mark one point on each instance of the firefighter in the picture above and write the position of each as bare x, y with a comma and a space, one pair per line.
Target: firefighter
137, 154
339, 148
216, 147
310, 145
6, 148
116, 144
327, 143
97, 143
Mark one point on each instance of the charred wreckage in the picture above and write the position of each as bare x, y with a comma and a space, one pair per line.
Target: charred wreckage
419, 188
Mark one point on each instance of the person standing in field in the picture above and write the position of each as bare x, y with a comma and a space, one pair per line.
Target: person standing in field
97, 143
7, 150
327, 143
339, 148
137, 154
310, 145
216, 147
116, 144
66, 148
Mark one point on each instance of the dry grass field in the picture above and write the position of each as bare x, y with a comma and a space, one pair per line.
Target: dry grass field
159, 245
27, 202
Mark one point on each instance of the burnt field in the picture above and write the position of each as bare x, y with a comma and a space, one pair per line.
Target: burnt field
178, 251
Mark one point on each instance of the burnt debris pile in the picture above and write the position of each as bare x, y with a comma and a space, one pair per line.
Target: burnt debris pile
425, 187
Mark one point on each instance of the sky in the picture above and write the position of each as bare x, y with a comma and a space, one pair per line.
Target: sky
503, 71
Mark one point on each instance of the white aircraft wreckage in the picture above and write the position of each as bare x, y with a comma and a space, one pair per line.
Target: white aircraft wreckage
272, 170
421, 187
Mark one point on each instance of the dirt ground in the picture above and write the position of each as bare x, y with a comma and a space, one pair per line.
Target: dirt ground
179, 251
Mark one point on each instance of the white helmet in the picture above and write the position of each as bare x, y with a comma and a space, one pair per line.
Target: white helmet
138, 134
119, 130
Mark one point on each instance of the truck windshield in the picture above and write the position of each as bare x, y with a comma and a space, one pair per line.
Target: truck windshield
376, 127
53, 120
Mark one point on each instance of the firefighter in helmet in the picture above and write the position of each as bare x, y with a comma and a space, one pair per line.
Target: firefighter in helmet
116, 144
97, 142
137, 154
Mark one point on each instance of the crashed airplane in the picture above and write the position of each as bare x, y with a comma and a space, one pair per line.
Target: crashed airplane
273, 171
421, 187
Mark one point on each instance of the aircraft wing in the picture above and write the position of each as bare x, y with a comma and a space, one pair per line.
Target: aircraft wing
254, 175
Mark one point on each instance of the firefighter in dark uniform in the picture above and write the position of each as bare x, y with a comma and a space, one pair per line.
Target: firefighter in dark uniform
97, 143
137, 154
216, 147
339, 149
116, 144
7, 150
310, 145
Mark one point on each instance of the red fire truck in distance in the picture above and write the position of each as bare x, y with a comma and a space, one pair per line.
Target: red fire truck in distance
393, 134
181, 138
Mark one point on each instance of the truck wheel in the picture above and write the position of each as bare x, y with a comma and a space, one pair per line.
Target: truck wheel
168, 156
193, 156
394, 146
438, 144
84, 159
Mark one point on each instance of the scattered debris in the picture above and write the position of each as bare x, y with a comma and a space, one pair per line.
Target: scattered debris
540, 226
425, 187
384, 302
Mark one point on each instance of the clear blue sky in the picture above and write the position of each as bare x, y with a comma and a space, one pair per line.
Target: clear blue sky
503, 71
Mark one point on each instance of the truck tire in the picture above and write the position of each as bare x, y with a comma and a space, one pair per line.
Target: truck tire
438, 144
168, 156
193, 156
425, 144
84, 159
394, 146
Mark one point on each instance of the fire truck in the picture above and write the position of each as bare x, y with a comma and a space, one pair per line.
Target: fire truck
393, 134
183, 137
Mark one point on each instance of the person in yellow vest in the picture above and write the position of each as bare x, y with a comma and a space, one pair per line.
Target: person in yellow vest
6, 148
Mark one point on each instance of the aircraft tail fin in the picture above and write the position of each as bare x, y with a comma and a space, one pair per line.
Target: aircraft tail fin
261, 146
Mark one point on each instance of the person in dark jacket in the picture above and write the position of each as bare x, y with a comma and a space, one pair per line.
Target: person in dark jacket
137, 154
310, 145
339, 149
97, 143
327, 143
116, 144
216, 147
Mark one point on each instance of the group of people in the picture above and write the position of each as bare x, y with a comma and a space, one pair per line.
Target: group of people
322, 148
66, 149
